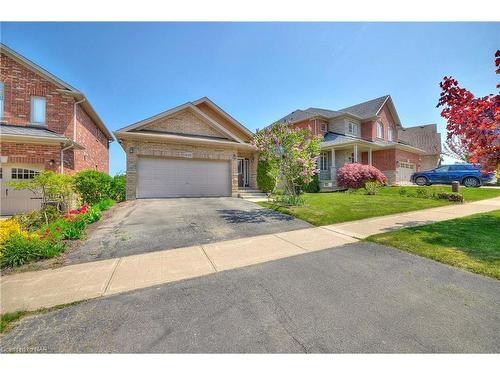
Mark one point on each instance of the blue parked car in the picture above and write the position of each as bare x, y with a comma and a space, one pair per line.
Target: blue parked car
467, 174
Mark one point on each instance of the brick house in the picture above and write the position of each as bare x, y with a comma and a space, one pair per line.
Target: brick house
45, 124
193, 150
369, 133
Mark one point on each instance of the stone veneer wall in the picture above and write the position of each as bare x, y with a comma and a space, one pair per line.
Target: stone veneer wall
178, 150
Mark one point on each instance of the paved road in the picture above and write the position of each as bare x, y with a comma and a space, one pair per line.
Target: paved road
357, 298
158, 224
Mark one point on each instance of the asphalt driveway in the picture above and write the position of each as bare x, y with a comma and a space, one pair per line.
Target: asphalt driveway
159, 224
360, 297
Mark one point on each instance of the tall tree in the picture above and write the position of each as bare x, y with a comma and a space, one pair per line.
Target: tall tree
475, 122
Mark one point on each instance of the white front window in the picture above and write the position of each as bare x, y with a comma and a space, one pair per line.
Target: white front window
380, 130
323, 161
38, 107
352, 128
1, 99
390, 135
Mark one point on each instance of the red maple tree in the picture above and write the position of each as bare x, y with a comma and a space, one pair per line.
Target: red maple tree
474, 121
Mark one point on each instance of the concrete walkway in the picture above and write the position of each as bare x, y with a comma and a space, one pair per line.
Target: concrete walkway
34, 290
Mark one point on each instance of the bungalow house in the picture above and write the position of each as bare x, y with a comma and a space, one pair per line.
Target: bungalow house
45, 124
193, 150
369, 133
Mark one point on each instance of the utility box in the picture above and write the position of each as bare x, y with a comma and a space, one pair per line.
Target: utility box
455, 186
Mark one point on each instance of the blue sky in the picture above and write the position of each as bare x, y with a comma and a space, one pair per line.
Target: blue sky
259, 72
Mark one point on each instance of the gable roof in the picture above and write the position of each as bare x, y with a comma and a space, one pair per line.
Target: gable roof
63, 87
193, 106
366, 109
361, 111
425, 137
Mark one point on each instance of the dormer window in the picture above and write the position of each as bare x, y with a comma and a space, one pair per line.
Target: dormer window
322, 127
38, 109
352, 128
380, 130
390, 136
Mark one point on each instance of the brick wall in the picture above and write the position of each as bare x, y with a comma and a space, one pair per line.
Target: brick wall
172, 150
368, 130
313, 125
20, 84
96, 153
384, 159
33, 154
387, 121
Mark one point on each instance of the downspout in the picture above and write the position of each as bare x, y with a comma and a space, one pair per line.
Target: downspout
74, 118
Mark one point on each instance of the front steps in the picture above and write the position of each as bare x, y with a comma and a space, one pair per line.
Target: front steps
252, 195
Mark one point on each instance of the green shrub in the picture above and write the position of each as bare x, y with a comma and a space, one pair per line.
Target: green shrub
118, 188
73, 230
20, 249
288, 200
266, 176
372, 187
313, 186
92, 215
36, 219
105, 204
421, 192
93, 186
51, 186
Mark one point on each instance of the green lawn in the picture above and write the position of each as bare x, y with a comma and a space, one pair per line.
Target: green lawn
331, 208
471, 243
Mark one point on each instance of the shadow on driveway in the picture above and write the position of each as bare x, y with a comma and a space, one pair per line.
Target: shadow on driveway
148, 225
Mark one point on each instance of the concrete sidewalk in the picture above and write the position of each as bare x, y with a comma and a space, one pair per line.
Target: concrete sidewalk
34, 290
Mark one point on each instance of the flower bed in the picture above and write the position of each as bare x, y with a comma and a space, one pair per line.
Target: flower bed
20, 245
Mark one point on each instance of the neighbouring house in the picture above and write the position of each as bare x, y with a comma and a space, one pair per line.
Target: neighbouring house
45, 124
193, 150
369, 133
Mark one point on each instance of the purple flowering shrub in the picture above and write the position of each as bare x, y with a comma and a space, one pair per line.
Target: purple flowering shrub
355, 176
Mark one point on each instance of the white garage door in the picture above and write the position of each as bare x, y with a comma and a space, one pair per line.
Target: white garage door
404, 172
165, 178
14, 201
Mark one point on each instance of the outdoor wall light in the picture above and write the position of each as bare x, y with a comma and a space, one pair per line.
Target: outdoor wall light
51, 162
130, 150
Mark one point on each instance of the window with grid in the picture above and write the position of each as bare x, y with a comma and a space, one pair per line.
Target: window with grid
23, 174
352, 128
323, 161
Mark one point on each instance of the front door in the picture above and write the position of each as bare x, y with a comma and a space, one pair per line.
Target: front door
17, 201
243, 172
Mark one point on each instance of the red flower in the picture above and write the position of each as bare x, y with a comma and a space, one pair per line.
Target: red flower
58, 229
74, 212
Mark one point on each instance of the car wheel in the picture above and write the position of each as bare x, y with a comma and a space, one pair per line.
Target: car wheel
471, 182
421, 181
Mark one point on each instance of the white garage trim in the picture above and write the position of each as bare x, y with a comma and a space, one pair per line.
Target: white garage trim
172, 177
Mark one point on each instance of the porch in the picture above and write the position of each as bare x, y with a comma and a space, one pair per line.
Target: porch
332, 158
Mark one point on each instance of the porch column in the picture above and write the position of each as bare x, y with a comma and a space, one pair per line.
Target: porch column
332, 151
355, 151
370, 156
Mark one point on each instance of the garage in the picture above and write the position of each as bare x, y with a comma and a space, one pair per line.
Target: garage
14, 201
171, 177
404, 171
